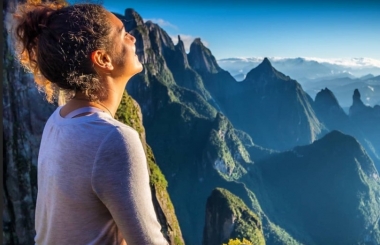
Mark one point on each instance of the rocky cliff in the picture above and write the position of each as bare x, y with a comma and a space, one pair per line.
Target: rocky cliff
197, 147
228, 217
362, 122
271, 107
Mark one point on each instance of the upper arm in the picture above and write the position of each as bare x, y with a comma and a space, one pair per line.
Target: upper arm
120, 179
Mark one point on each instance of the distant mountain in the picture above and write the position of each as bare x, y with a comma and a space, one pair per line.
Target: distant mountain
369, 76
267, 104
321, 193
361, 122
330, 112
196, 147
305, 69
343, 88
366, 118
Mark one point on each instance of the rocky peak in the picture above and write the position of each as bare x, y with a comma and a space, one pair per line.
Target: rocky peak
201, 58
329, 111
133, 19
357, 104
265, 69
356, 97
180, 45
266, 64
326, 97
159, 37
181, 52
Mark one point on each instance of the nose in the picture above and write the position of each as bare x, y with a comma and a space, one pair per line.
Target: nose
132, 38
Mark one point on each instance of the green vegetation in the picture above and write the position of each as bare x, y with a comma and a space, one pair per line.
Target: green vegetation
247, 224
226, 149
236, 241
157, 179
130, 114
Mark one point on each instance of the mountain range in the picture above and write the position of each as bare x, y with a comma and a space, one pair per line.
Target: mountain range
209, 131
340, 75
257, 158
304, 68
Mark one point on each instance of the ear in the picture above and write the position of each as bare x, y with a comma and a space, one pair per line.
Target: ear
102, 60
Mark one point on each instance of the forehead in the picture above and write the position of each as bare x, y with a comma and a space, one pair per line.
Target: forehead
114, 21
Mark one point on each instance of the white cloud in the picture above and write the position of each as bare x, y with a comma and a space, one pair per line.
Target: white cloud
162, 23
187, 40
348, 62
344, 62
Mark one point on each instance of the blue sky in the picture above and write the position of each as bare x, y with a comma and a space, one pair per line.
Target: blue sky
309, 28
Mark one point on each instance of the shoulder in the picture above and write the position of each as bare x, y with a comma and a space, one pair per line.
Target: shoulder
120, 136
123, 131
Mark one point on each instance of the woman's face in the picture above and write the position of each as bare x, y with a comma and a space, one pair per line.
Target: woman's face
125, 60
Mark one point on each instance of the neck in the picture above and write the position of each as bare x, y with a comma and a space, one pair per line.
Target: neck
109, 104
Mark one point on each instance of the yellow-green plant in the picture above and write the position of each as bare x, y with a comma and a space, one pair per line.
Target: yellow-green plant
236, 241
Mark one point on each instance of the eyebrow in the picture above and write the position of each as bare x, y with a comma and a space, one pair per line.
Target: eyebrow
121, 28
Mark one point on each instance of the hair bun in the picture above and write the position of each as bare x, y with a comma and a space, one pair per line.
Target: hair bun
30, 22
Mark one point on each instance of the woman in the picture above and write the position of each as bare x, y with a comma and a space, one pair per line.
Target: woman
93, 183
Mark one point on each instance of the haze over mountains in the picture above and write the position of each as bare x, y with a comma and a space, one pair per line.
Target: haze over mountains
304, 68
342, 76
263, 139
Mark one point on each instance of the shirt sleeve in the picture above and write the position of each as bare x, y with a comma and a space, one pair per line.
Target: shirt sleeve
120, 178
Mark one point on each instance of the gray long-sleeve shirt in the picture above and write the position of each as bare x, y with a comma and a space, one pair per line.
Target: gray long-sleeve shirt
93, 184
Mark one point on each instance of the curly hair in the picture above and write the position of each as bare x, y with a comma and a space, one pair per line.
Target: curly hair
55, 42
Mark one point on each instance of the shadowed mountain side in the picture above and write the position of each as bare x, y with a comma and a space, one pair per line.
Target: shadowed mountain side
272, 108
323, 193
195, 146
218, 82
334, 118
367, 120
228, 217
183, 74
329, 111
198, 149
189, 152
129, 112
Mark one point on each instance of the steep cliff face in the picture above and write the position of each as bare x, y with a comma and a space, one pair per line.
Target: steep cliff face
184, 75
129, 112
24, 116
329, 111
228, 217
218, 82
271, 107
196, 148
367, 120
201, 59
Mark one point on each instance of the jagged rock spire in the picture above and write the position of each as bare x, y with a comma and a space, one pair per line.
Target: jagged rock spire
265, 68
201, 58
180, 44
180, 49
133, 19
356, 97
326, 97
357, 104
